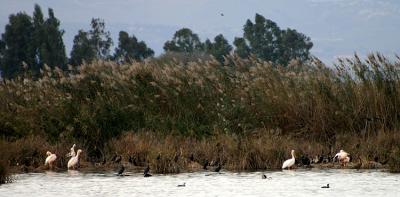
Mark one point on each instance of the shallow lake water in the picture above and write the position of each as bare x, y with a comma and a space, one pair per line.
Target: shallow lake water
281, 183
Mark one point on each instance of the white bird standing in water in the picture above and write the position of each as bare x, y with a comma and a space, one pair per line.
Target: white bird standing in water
73, 162
290, 162
50, 159
72, 152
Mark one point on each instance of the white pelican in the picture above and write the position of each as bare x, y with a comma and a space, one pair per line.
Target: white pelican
50, 159
290, 162
341, 154
72, 152
343, 157
73, 162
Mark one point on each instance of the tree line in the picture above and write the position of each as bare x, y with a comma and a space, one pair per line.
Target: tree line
29, 42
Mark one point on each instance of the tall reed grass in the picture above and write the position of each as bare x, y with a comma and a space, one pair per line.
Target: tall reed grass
96, 102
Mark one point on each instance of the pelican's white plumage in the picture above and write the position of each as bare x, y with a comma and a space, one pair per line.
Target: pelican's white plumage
73, 162
341, 154
50, 159
290, 162
343, 157
72, 152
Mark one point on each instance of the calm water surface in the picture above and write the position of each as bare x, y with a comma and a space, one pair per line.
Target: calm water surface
283, 183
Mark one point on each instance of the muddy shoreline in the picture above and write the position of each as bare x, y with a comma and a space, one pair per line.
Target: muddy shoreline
192, 168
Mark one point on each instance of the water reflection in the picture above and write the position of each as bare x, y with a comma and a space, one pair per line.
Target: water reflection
283, 183
73, 173
50, 173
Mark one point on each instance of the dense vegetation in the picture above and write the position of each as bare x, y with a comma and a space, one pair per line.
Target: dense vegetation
200, 97
352, 106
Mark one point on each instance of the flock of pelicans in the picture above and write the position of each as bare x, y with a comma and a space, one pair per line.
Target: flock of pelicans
342, 156
73, 163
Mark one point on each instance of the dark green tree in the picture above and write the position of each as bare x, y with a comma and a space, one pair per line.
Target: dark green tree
130, 49
17, 45
82, 50
100, 39
294, 45
35, 41
219, 48
53, 48
47, 40
263, 37
184, 41
268, 42
39, 37
242, 49
91, 45
2, 50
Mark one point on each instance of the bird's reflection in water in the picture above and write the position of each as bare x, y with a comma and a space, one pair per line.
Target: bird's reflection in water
73, 173
50, 173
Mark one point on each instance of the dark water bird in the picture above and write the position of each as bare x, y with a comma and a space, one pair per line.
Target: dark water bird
205, 164
222, 14
265, 177
304, 160
358, 165
326, 159
182, 185
146, 172
217, 169
325, 186
147, 175
321, 159
121, 170
130, 159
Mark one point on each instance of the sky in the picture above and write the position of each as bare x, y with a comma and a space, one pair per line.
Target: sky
338, 28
